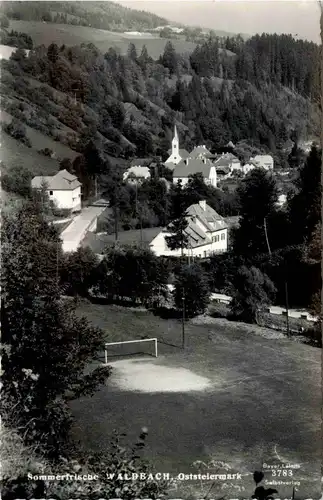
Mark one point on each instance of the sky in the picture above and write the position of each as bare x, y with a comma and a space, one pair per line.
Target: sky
301, 18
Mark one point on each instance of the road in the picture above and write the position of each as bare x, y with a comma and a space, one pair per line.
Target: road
74, 233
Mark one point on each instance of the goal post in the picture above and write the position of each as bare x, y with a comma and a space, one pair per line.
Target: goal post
154, 340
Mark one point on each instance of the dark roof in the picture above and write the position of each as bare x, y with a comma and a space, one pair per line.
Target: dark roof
141, 162
193, 166
98, 242
200, 150
182, 153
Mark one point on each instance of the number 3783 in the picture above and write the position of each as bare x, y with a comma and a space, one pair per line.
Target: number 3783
282, 473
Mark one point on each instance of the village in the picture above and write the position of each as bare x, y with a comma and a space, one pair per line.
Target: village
207, 230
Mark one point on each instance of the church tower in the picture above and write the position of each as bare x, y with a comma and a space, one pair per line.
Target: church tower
175, 144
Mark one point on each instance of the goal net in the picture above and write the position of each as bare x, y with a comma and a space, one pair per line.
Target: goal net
130, 348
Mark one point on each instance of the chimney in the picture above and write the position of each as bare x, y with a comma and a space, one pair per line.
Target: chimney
202, 204
204, 159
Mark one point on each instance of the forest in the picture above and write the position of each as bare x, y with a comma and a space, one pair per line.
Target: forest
101, 15
264, 93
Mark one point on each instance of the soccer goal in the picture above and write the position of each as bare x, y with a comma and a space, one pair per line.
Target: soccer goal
130, 348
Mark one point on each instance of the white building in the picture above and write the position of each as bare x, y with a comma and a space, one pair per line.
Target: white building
175, 154
228, 160
64, 189
136, 174
248, 167
263, 161
190, 166
207, 233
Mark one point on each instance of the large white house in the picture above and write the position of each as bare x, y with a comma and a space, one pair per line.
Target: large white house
263, 161
176, 154
192, 166
207, 233
64, 189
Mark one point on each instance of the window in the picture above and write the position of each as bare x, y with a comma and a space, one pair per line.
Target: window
50, 193
204, 253
223, 236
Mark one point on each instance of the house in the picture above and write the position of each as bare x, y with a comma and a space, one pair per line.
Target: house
136, 174
247, 167
64, 189
207, 233
263, 161
175, 154
201, 152
228, 160
190, 166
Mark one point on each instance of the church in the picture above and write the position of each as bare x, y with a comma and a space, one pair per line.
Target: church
184, 164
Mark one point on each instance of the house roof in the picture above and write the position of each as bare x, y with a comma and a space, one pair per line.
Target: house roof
264, 158
207, 217
200, 150
181, 152
62, 181
138, 172
193, 166
141, 162
171, 165
99, 242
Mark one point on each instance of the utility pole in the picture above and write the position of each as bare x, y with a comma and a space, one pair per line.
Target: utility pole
265, 228
183, 321
116, 221
287, 312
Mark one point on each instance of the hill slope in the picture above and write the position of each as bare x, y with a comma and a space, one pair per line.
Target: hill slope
44, 34
102, 15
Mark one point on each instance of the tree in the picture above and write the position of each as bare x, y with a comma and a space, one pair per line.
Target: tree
132, 52
178, 239
133, 273
17, 180
79, 272
295, 157
192, 283
251, 290
4, 22
305, 206
257, 197
46, 346
53, 53
169, 58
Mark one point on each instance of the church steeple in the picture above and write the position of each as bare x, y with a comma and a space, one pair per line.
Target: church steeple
175, 142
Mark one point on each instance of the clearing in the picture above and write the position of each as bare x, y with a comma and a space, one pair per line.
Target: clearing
232, 395
43, 33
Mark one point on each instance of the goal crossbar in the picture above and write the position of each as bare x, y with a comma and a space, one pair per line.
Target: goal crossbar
130, 342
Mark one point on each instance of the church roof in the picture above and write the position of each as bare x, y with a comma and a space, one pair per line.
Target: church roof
193, 166
182, 153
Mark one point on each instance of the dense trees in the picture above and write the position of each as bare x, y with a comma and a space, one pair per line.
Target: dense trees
110, 16
192, 289
130, 101
257, 197
251, 290
46, 347
132, 273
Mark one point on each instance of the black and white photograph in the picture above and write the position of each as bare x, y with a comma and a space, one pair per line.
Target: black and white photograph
161, 234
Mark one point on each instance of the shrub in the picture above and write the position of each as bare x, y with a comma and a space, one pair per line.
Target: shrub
17, 131
17, 180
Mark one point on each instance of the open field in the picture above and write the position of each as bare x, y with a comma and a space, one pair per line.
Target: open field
43, 33
232, 395
41, 141
13, 153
